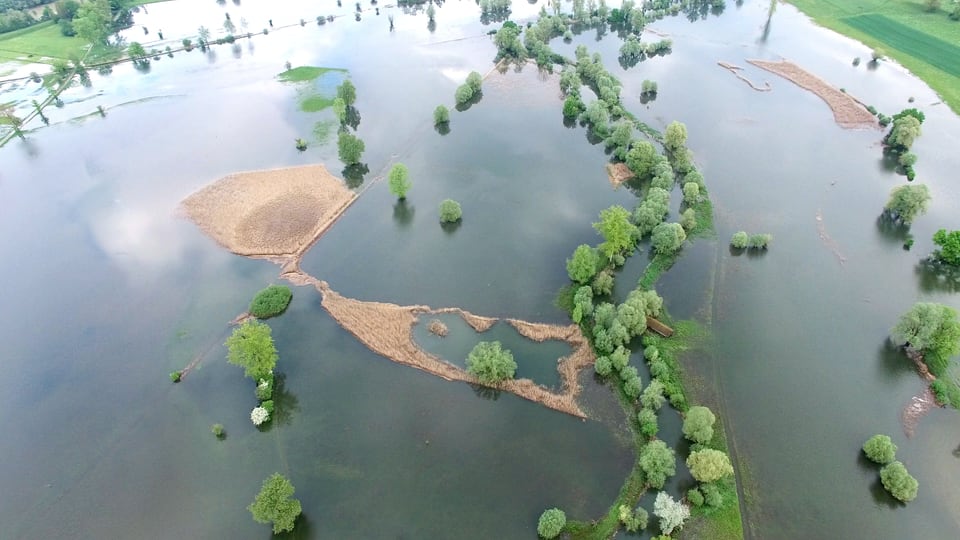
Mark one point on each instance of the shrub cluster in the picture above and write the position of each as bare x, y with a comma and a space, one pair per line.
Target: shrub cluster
271, 301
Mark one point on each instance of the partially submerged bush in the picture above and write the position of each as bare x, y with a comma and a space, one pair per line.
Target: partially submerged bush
441, 115
217, 430
740, 240
271, 301
898, 482
490, 363
880, 449
450, 211
176, 376
551, 523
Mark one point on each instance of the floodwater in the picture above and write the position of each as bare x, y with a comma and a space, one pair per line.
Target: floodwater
109, 288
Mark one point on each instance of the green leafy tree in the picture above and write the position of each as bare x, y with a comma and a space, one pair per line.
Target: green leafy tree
93, 21
490, 363
347, 92
641, 158
475, 81
399, 180
450, 211
898, 482
583, 265
658, 462
907, 202
904, 132
668, 237
441, 115
691, 193
933, 330
648, 422
573, 106
880, 449
652, 396
275, 504
618, 233
698, 425
709, 465
760, 241
633, 520
350, 148
250, 346
463, 94
551, 523
508, 42
949, 243
675, 136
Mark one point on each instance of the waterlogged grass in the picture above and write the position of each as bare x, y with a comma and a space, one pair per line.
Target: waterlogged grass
906, 18
323, 131
306, 73
925, 47
315, 103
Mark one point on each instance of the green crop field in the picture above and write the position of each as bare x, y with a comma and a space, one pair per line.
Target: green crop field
934, 51
926, 43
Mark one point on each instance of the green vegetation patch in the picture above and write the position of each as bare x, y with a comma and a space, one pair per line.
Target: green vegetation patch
315, 103
44, 40
932, 50
725, 521
306, 73
271, 301
323, 130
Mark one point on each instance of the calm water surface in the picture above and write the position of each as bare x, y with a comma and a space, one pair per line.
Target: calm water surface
110, 289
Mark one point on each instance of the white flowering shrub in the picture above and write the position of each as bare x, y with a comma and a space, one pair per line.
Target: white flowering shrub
259, 415
672, 513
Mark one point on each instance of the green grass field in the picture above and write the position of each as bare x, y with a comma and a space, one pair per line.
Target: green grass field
43, 42
923, 42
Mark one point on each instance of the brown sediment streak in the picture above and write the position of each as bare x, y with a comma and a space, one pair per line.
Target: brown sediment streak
477, 322
736, 71
618, 173
827, 240
387, 329
921, 403
847, 111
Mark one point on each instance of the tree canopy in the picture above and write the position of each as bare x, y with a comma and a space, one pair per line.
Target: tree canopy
899, 482
907, 202
709, 465
350, 148
618, 233
490, 363
551, 523
949, 244
668, 237
399, 180
93, 21
675, 136
275, 504
658, 462
347, 92
450, 211
672, 513
250, 346
880, 449
698, 424
933, 330
583, 265
271, 301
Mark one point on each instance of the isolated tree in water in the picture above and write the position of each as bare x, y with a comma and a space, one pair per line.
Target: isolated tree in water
275, 504
399, 180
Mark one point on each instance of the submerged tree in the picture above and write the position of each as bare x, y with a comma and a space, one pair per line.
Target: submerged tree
932, 330
490, 363
441, 115
275, 504
399, 180
949, 244
347, 92
350, 148
907, 202
551, 523
899, 482
658, 462
251, 347
880, 449
583, 265
619, 234
450, 211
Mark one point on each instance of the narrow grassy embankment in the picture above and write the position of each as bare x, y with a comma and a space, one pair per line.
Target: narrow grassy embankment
662, 262
923, 42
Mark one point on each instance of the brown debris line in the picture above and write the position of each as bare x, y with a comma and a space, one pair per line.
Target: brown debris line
736, 71
916, 409
437, 328
478, 322
270, 213
847, 111
387, 329
827, 240
618, 173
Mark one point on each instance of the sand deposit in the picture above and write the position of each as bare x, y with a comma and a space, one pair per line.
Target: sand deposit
270, 213
618, 173
847, 111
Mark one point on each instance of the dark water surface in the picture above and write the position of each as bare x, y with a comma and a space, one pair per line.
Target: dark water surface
109, 289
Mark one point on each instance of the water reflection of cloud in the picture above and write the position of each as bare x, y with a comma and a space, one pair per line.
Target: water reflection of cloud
139, 235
